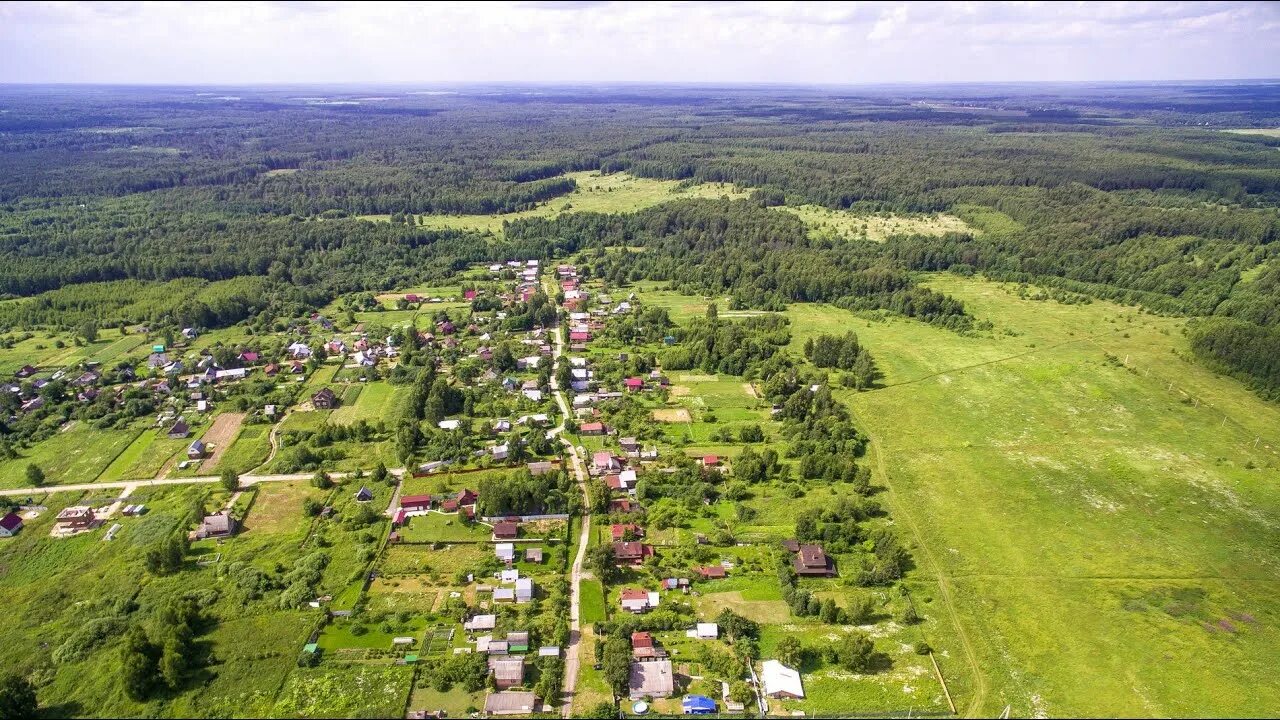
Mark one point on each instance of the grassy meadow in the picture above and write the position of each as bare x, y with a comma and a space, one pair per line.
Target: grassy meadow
614, 193
1119, 509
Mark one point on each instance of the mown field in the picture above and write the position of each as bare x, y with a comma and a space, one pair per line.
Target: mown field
1101, 512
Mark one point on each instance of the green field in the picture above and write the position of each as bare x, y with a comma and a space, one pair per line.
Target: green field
74, 455
364, 691
376, 401
614, 193
1119, 511
250, 449
144, 457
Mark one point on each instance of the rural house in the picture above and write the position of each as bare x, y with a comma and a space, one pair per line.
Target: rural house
324, 399
781, 681
812, 561
10, 524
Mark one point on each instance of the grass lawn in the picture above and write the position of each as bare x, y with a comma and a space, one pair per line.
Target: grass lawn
374, 402
1118, 520
591, 609
455, 703
339, 634
78, 454
441, 527
250, 449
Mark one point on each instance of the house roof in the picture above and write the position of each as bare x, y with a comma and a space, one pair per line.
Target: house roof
629, 550
511, 669
510, 703
641, 640
651, 678
634, 594
812, 556
779, 678
506, 529
11, 522
220, 523
712, 571
482, 622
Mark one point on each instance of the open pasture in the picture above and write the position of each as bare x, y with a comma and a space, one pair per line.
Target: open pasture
1119, 514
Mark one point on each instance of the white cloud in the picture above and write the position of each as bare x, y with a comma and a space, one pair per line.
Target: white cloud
839, 42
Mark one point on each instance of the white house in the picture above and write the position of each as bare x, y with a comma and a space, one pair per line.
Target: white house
448, 424
534, 395
481, 622
705, 631
506, 552
499, 451
524, 590
780, 681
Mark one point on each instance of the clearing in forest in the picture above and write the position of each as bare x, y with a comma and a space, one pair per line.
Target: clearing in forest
613, 193
877, 227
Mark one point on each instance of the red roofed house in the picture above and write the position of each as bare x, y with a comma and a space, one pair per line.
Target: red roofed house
634, 384
644, 647
711, 572
249, 357
633, 600
623, 506
506, 531
631, 553
415, 502
710, 461
619, 532
468, 294
591, 428
579, 336
410, 297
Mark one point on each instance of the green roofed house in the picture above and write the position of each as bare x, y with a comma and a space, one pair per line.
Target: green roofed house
410, 659
157, 348
310, 647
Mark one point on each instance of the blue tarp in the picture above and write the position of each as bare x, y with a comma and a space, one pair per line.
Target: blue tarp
698, 705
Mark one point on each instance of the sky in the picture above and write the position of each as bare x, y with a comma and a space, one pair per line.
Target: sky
716, 42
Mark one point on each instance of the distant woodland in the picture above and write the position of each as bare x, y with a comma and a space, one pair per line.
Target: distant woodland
253, 206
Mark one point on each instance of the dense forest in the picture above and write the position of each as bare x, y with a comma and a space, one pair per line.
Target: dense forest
1130, 193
